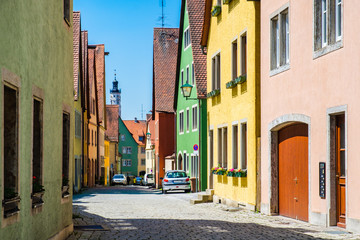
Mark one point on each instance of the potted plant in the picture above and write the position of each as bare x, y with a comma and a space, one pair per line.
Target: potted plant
10, 202
216, 10
37, 193
214, 169
241, 173
230, 172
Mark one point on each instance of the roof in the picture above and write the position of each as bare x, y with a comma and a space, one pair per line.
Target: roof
196, 10
164, 68
112, 122
76, 51
206, 26
137, 129
100, 81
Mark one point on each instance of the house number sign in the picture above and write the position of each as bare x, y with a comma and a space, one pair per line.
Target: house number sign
322, 179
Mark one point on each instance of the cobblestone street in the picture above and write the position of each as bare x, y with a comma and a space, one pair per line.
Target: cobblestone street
129, 212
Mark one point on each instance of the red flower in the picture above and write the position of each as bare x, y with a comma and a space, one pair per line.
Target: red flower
34, 177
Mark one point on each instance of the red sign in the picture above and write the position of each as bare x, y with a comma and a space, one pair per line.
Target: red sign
196, 147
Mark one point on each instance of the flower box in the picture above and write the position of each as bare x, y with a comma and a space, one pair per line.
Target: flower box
213, 93
11, 206
231, 84
216, 10
240, 79
226, 1
231, 174
65, 191
37, 200
241, 174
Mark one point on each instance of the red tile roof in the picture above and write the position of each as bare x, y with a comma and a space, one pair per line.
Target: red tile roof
112, 122
206, 26
76, 51
137, 129
100, 80
196, 10
164, 68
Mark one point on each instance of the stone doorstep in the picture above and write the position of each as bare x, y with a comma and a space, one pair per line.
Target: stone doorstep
203, 197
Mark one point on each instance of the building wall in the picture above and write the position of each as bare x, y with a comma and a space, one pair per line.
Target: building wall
129, 142
113, 155
107, 176
38, 54
164, 141
141, 156
310, 89
238, 104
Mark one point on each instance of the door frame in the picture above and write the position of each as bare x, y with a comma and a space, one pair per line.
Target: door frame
331, 197
273, 128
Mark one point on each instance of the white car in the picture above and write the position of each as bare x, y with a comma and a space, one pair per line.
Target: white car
175, 180
148, 179
119, 179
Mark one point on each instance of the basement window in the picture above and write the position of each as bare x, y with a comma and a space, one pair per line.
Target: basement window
11, 151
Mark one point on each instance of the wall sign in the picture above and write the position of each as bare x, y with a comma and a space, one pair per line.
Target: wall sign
322, 184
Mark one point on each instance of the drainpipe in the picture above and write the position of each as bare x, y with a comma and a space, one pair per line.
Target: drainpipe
199, 162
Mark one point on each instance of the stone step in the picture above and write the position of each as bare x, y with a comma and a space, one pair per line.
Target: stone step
210, 192
205, 198
195, 201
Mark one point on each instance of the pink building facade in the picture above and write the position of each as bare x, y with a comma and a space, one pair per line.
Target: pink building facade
310, 111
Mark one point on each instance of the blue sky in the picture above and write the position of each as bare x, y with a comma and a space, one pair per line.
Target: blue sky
126, 29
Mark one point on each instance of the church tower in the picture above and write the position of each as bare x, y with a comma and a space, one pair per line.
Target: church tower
115, 94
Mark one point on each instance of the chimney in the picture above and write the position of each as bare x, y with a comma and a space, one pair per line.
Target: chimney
136, 120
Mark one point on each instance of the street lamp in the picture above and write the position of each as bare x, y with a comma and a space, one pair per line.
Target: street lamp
186, 90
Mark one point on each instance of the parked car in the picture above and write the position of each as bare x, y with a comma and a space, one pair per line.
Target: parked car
119, 179
175, 180
148, 179
137, 180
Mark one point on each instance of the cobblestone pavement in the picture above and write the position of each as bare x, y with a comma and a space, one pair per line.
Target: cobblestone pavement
129, 212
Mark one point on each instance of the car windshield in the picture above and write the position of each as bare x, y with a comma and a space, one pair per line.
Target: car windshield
150, 176
176, 175
119, 176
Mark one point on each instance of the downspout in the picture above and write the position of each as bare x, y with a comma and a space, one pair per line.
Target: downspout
199, 162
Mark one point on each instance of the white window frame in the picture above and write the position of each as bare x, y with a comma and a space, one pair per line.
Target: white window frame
244, 156
187, 74
235, 145
187, 119
122, 136
182, 78
338, 21
216, 71
195, 118
324, 23
181, 122
192, 74
187, 41
243, 56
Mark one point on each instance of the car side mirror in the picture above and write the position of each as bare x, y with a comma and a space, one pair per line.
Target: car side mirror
161, 178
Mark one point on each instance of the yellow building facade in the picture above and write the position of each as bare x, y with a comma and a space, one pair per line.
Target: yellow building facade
107, 163
141, 159
231, 37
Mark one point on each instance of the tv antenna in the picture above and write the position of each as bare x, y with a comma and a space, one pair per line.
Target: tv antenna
163, 4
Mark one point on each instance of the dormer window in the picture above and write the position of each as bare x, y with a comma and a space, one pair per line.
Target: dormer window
141, 138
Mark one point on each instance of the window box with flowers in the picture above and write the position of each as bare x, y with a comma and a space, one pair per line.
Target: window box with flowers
213, 93
241, 173
10, 202
65, 187
240, 79
37, 193
226, 1
230, 172
215, 11
219, 171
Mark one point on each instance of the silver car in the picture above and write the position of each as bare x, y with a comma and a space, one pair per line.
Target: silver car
119, 179
175, 180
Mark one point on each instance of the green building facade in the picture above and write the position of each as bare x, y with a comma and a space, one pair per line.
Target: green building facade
128, 148
37, 119
191, 140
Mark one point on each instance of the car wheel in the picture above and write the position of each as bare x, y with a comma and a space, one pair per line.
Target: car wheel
187, 190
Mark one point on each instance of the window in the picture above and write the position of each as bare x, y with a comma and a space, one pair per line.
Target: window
122, 137
187, 163
194, 165
187, 120
216, 72
235, 146
211, 148
95, 138
234, 59
10, 144
92, 137
67, 11
126, 150
187, 74
141, 138
328, 23
192, 74
182, 78
181, 122
93, 106
77, 124
220, 147
142, 149
187, 38
280, 40
88, 139
37, 144
243, 146
143, 162
224, 148
127, 163
194, 118
243, 54
65, 148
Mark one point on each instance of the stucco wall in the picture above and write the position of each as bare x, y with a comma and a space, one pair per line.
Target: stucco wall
310, 87
37, 47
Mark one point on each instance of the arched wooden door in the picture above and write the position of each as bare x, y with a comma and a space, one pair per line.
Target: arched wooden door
293, 172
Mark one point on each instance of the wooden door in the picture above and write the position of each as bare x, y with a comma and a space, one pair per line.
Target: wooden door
340, 171
293, 172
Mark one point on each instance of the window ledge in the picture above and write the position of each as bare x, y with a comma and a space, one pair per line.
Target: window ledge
280, 69
328, 49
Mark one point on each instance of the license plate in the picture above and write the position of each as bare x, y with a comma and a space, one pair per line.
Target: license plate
177, 181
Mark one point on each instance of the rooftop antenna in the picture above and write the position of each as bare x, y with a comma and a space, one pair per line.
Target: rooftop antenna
142, 111
163, 4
